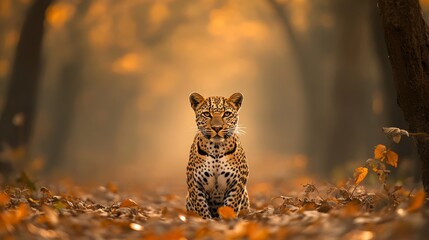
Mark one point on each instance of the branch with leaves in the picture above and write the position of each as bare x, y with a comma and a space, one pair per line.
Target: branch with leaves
383, 157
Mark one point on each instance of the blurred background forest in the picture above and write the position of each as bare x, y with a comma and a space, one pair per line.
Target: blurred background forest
101, 87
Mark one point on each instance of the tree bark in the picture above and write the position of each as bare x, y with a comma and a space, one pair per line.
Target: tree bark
406, 35
16, 121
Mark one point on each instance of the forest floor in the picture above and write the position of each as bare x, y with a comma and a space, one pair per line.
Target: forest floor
108, 211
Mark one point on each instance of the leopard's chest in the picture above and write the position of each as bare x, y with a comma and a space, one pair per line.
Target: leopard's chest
215, 175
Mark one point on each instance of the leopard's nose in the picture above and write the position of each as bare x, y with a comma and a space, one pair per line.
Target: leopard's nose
217, 128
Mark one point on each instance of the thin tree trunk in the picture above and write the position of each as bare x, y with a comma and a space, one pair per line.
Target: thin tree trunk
350, 99
17, 119
69, 87
406, 35
309, 68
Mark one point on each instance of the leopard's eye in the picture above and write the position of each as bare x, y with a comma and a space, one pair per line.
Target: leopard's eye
206, 114
227, 114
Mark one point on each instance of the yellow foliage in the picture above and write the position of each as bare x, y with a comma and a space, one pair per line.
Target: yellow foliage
380, 152
226, 212
360, 174
392, 158
58, 14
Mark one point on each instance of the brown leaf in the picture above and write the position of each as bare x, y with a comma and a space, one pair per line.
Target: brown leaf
417, 201
46, 192
256, 231
392, 158
395, 133
326, 206
226, 212
380, 152
360, 174
50, 216
309, 206
129, 203
351, 208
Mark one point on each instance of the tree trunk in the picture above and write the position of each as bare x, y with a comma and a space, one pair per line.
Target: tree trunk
391, 111
308, 61
351, 93
406, 35
69, 87
16, 121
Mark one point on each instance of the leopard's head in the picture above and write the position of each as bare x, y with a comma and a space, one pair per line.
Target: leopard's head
216, 117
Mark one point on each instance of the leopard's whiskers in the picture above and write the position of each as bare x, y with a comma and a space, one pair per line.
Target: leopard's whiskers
240, 130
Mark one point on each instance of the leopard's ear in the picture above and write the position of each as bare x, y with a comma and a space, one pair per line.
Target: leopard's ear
236, 99
195, 99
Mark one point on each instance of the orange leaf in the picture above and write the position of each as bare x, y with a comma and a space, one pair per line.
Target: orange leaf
360, 174
51, 216
226, 212
351, 208
4, 199
380, 152
392, 158
22, 211
417, 201
128, 203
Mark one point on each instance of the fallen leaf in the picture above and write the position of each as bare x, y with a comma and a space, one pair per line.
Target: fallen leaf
50, 216
46, 192
392, 158
4, 199
351, 208
226, 212
417, 201
173, 234
22, 211
380, 152
129, 203
309, 206
360, 174
256, 232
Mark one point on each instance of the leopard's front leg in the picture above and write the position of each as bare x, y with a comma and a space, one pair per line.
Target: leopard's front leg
197, 200
237, 195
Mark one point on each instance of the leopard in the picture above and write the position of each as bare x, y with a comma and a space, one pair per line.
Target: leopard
217, 170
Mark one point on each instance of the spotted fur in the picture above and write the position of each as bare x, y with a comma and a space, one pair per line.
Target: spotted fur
217, 170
